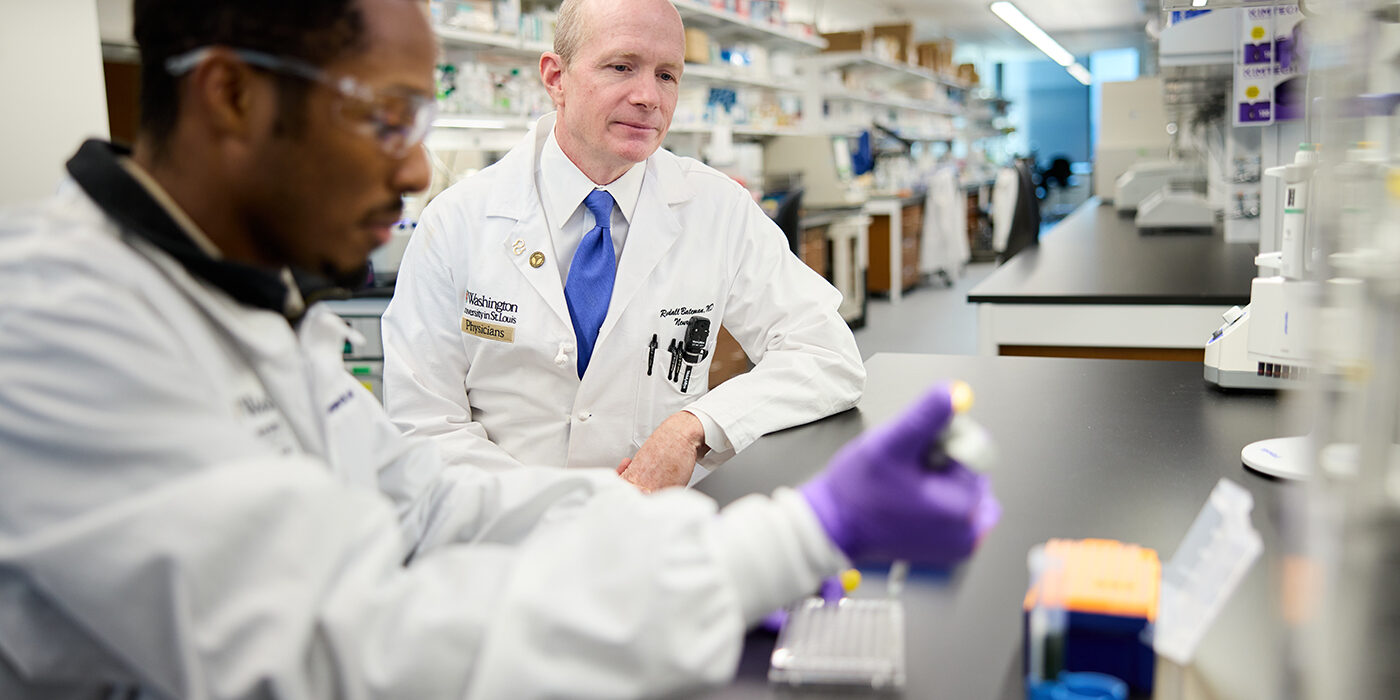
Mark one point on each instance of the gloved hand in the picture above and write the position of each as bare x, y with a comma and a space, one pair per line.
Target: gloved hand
888, 494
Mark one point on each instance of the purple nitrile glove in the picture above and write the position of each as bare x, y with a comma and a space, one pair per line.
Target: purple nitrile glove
879, 499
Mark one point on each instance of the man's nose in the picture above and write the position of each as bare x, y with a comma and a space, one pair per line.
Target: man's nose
645, 92
413, 173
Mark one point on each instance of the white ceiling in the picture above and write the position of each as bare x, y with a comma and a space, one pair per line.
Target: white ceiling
1080, 25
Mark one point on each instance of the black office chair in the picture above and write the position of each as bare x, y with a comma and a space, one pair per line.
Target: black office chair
1025, 222
1058, 174
788, 217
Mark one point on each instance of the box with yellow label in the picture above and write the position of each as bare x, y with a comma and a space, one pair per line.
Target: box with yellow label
1108, 593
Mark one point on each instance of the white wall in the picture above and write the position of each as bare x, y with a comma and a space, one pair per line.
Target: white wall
54, 93
114, 21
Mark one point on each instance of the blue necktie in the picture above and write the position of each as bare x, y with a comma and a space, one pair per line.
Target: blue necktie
589, 286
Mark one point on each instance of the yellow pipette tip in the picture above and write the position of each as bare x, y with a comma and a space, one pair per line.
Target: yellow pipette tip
962, 397
850, 580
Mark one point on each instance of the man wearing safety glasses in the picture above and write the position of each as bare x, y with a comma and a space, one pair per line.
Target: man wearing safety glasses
197, 501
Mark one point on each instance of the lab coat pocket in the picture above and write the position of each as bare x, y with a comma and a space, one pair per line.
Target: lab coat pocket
677, 371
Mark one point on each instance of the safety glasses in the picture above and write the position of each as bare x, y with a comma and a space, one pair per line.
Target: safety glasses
397, 121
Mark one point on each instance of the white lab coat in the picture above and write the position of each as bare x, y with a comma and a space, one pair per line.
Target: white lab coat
697, 245
944, 244
198, 502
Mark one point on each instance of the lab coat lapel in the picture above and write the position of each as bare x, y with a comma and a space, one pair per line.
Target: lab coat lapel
528, 236
529, 233
651, 234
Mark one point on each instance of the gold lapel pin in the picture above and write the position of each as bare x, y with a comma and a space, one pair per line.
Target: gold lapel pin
519, 246
536, 259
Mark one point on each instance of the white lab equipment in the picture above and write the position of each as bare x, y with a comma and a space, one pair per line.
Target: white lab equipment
856, 642
1275, 330
1176, 207
364, 349
1292, 255
1145, 178
1208, 565
828, 176
385, 259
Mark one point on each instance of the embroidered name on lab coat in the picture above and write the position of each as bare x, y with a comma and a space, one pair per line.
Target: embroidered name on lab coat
260, 414
681, 314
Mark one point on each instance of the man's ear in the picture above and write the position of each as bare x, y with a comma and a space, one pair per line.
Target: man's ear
552, 74
229, 94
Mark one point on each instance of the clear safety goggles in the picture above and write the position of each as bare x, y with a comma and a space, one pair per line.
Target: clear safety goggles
397, 121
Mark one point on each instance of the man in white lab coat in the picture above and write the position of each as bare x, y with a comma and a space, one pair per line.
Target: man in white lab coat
197, 501
486, 347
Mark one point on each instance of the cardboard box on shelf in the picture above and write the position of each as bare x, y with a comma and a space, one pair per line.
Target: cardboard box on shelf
936, 55
847, 41
967, 73
697, 46
903, 37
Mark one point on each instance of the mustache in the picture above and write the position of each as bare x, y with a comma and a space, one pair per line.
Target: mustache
392, 209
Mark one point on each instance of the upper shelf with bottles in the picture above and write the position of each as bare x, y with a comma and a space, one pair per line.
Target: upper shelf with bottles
862, 61
481, 31
764, 24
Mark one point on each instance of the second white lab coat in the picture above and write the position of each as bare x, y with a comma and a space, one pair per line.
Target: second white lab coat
197, 501
480, 353
944, 247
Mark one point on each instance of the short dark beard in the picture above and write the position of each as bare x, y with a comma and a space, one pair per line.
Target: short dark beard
352, 280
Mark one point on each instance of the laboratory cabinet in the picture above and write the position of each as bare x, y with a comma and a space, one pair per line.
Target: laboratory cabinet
895, 231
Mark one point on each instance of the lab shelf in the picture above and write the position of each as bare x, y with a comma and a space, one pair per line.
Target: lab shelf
738, 130
514, 46
483, 121
1203, 40
512, 124
837, 59
701, 15
909, 104
728, 75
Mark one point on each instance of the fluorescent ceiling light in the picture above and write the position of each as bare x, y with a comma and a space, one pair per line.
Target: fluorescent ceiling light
1198, 3
1080, 73
1023, 25
1012, 15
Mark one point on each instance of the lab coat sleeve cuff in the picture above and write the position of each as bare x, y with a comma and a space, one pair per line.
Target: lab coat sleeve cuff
775, 551
715, 439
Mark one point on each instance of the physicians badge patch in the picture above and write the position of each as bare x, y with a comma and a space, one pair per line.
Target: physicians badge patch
489, 331
492, 319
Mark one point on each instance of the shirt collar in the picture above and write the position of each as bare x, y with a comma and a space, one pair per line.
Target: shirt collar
565, 186
143, 209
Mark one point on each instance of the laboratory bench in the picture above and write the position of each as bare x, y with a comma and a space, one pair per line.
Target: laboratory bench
1096, 287
1119, 449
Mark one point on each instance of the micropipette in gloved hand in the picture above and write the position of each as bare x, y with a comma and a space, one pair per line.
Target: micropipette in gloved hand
963, 440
